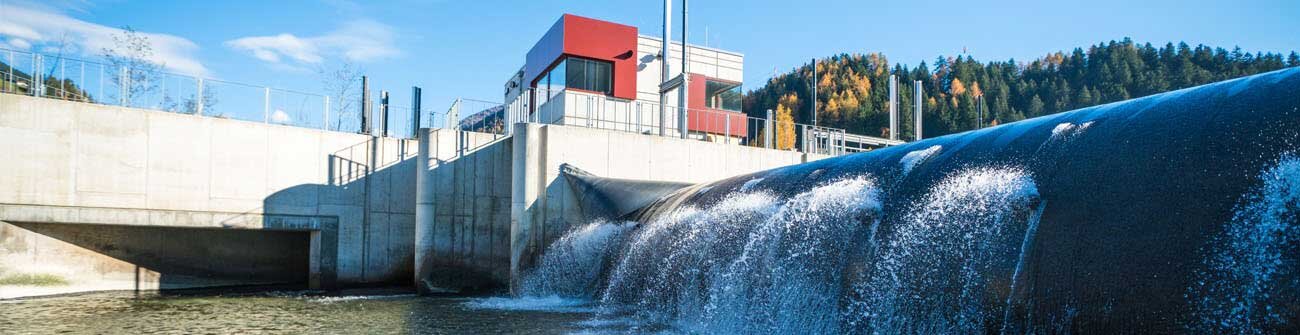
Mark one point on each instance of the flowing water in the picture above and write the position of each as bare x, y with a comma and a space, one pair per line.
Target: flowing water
1252, 272
274, 313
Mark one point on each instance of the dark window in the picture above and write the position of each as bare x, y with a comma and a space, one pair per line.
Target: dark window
589, 75
722, 95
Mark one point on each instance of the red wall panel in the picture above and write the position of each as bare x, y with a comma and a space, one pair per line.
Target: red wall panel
585, 37
605, 41
710, 120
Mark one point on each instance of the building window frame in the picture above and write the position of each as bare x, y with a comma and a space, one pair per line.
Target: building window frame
573, 73
723, 95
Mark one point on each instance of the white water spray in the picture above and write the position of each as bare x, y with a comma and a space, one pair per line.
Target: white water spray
1240, 291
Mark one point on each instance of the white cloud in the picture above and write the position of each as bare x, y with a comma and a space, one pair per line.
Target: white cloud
279, 116
34, 27
360, 40
18, 43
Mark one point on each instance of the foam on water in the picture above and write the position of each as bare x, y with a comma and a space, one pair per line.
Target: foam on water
912, 159
1066, 130
544, 304
1249, 284
571, 266
968, 225
338, 299
751, 262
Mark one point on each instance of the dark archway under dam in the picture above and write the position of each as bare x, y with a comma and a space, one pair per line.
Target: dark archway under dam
93, 257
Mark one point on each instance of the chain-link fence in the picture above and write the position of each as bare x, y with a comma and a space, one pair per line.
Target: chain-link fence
595, 110
147, 87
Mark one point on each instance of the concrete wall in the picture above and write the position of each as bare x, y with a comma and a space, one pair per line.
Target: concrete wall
487, 211
462, 243
67, 155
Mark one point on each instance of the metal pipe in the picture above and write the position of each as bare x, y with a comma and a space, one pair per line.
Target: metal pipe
919, 92
663, 62
770, 133
198, 97
814, 92
37, 85
266, 105
684, 90
365, 104
383, 114
416, 98
893, 107
326, 125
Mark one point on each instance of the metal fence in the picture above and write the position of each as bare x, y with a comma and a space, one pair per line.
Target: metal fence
146, 87
594, 110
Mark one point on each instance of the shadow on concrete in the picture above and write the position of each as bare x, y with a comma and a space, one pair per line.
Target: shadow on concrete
176, 258
468, 228
373, 198
358, 227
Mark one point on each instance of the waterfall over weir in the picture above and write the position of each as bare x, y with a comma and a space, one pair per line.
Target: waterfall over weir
1169, 214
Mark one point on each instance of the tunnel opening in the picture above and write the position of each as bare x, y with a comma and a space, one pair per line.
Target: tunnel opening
96, 257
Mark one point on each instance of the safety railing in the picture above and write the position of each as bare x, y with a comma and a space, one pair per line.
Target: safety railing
146, 87
595, 110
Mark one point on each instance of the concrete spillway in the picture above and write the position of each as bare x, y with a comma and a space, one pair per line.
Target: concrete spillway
1170, 213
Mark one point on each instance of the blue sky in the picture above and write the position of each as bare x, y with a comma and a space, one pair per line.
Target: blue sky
469, 48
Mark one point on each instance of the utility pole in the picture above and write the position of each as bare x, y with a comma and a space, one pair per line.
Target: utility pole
979, 111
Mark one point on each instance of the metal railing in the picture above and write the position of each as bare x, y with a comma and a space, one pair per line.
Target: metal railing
71, 79
594, 110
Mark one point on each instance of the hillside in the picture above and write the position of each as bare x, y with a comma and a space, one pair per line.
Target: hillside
853, 89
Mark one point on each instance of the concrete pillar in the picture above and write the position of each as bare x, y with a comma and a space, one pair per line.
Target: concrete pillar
424, 210
527, 194
313, 260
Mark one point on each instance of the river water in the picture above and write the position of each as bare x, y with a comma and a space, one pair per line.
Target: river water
286, 313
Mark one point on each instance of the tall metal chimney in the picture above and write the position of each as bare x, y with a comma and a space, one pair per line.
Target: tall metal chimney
365, 105
917, 117
893, 107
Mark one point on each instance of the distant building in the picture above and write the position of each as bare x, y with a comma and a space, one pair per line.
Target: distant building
602, 74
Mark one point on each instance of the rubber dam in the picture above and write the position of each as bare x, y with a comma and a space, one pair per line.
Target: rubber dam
1171, 213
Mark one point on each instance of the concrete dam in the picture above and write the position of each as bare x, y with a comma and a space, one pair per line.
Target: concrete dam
1166, 214
1170, 213
102, 198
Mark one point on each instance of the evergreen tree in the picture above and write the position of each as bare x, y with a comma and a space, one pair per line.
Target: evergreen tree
853, 94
